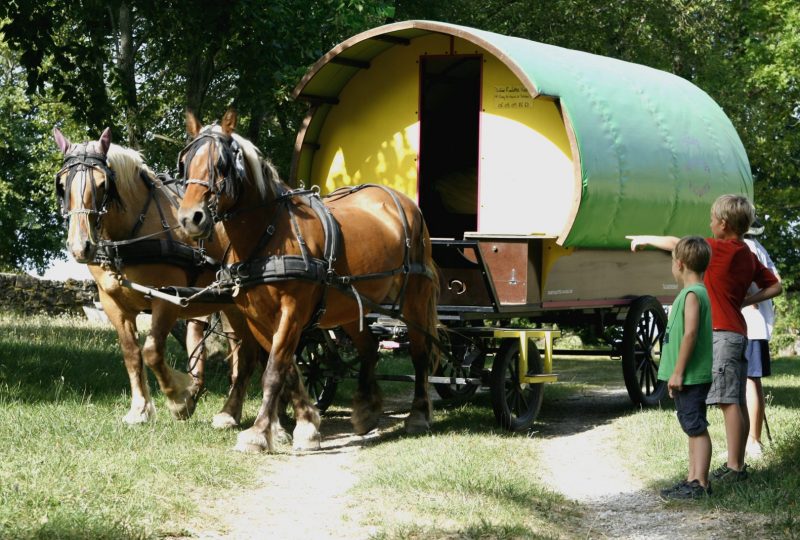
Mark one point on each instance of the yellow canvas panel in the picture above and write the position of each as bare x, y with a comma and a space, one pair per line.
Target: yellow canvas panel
372, 135
526, 170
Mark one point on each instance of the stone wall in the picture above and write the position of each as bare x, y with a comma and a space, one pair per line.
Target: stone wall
22, 293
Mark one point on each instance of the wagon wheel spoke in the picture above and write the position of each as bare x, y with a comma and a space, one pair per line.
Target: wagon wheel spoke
522, 404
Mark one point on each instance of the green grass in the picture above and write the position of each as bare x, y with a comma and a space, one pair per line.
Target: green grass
466, 480
774, 484
70, 467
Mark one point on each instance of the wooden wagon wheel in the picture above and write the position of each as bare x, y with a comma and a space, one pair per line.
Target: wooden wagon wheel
466, 360
515, 405
641, 351
314, 360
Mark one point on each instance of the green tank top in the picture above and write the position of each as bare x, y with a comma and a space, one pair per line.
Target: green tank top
698, 368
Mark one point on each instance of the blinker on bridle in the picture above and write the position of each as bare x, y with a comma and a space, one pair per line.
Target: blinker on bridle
224, 175
83, 161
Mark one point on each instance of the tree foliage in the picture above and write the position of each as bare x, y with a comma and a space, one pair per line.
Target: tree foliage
135, 65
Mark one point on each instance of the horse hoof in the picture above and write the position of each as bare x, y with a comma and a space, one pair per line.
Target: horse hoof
364, 418
250, 441
223, 421
245, 448
416, 423
140, 416
280, 435
182, 408
306, 436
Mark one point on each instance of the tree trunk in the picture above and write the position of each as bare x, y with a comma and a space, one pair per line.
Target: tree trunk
126, 67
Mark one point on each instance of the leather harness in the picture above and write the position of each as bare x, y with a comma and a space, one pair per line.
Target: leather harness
136, 249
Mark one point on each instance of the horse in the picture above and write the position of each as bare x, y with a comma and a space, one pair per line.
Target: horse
291, 269
101, 188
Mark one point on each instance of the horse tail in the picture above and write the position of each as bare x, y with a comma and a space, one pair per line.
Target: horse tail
432, 272
432, 312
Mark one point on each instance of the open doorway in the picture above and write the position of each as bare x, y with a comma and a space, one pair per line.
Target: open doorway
450, 104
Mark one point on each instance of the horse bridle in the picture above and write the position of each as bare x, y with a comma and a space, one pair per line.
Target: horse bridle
85, 162
224, 175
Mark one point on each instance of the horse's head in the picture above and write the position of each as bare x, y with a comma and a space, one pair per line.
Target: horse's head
84, 187
212, 167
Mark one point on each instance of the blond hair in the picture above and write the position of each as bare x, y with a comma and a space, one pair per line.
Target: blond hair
736, 210
694, 252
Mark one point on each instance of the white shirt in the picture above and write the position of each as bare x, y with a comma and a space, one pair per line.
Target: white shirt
759, 317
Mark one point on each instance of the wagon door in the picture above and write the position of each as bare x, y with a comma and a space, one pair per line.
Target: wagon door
450, 102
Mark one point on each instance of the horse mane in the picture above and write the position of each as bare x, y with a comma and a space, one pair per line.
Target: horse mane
126, 164
263, 173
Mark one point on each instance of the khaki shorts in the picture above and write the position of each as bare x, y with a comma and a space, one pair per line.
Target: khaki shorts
729, 369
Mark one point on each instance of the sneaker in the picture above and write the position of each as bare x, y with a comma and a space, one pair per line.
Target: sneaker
689, 490
726, 474
666, 491
754, 450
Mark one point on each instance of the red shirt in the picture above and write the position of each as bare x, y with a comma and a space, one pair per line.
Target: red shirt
733, 267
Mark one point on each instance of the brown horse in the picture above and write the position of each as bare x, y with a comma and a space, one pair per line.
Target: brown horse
110, 195
277, 256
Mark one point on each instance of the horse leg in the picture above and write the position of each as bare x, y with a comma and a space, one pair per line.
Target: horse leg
176, 386
196, 348
368, 399
279, 371
142, 408
420, 308
245, 356
306, 435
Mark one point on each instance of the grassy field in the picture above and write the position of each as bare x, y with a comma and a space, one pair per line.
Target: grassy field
773, 488
71, 469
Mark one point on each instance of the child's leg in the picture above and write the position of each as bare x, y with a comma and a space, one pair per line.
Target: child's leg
737, 426
755, 407
699, 458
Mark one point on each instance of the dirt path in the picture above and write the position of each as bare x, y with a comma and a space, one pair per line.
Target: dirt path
303, 496
578, 448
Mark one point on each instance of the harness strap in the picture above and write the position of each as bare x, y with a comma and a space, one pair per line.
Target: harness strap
154, 251
274, 268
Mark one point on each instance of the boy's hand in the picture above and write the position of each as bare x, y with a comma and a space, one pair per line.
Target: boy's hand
637, 242
675, 384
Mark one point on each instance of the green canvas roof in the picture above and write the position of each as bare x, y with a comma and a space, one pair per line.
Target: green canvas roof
652, 150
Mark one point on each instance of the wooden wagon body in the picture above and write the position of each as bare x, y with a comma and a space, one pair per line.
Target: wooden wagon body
531, 163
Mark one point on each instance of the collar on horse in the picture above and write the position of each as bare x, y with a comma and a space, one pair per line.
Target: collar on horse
149, 250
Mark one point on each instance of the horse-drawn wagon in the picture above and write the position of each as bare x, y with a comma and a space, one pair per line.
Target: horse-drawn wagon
530, 163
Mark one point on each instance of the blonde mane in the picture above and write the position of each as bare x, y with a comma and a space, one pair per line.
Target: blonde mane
126, 163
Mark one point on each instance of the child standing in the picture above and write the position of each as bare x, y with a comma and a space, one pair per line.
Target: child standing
686, 362
760, 318
732, 269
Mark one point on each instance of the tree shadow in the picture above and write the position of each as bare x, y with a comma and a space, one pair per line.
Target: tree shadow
71, 363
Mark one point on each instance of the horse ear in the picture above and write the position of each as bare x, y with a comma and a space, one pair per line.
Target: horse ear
229, 120
193, 125
61, 141
105, 140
